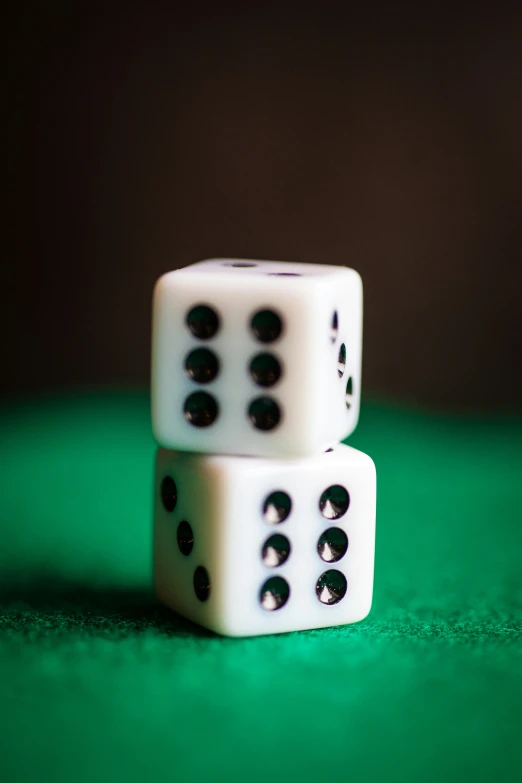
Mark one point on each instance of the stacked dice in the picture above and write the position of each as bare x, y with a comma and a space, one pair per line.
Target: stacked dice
264, 522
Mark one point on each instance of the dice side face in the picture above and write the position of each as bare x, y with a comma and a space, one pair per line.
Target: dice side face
314, 559
292, 377
188, 537
340, 361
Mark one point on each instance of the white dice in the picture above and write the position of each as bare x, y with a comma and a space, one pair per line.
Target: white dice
249, 546
256, 358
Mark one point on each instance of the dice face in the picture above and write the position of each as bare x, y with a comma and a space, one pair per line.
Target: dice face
256, 358
249, 546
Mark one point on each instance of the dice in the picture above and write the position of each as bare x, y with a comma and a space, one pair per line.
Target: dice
256, 358
248, 546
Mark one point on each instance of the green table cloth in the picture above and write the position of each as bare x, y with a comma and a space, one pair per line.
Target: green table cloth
98, 682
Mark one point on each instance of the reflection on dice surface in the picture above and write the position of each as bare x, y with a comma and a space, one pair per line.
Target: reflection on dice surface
255, 357
247, 546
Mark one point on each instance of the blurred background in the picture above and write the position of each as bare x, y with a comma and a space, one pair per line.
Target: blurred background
149, 137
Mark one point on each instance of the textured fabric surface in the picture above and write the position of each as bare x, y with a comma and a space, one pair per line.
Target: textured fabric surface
98, 682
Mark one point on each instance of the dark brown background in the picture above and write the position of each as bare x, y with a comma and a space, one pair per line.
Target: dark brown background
152, 137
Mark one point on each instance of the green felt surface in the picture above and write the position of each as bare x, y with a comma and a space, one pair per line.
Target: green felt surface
97, 682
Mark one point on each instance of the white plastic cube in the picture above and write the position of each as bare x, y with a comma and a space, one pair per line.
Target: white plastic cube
256, 357
226, 527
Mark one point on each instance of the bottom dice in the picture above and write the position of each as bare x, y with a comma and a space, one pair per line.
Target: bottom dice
247, 546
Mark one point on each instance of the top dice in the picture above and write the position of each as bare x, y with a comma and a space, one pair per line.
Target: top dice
256, 357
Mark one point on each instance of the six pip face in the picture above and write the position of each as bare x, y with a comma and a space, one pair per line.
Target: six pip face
254, 358
202, 365
331, 547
